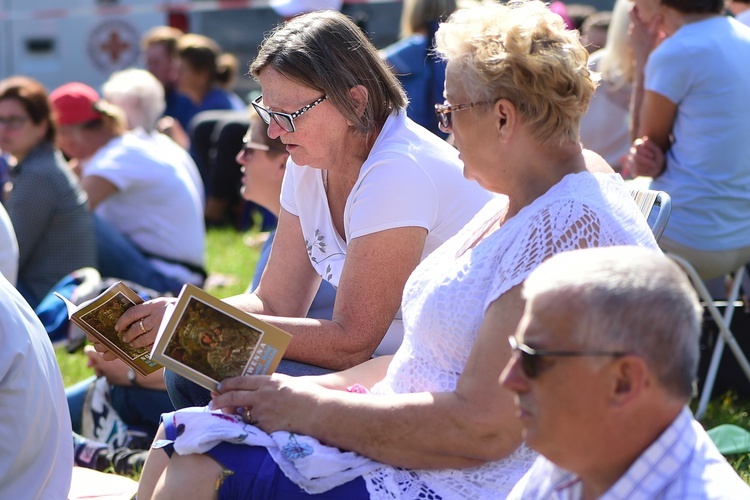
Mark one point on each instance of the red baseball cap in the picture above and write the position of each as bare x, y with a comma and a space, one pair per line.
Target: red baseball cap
75, 103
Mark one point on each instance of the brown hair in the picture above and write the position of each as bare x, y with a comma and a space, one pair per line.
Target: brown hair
33, 97
162, 35
202, 54
326, 51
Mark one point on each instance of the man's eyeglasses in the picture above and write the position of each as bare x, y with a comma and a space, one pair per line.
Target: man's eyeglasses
283, 120
13, 122
530, 357
445, 118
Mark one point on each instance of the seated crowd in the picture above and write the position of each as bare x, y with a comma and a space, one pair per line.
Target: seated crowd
488, 317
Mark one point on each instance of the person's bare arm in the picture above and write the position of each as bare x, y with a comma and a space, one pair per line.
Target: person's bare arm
644, 37
368, 296
98, 189
474, 424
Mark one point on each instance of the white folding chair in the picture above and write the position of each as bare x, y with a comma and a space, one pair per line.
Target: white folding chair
723, 322
656, 206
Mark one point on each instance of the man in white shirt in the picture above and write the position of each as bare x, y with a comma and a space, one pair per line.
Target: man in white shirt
603, 367
36, 444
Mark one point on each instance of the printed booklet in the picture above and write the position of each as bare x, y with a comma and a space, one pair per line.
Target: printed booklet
97, 317
207, 340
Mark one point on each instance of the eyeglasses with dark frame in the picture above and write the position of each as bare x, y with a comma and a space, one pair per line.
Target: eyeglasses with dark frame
444, 110
283, 120
530, 357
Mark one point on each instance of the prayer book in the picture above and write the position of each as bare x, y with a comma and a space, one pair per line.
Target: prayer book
207, 340
97, 317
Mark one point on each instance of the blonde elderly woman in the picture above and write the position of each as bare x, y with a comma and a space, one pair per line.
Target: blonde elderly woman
433, 420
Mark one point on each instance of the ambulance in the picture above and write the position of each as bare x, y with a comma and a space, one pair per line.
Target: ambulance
58, 41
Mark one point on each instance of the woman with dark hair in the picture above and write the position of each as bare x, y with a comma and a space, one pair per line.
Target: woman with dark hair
690, 124
206, 76
47, 206
204, 73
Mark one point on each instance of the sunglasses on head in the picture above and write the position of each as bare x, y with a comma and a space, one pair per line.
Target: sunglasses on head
531, 357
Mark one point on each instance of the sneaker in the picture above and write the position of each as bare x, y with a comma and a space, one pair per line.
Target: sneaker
86, 452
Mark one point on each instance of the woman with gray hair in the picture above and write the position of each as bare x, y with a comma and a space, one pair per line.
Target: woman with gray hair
433, 421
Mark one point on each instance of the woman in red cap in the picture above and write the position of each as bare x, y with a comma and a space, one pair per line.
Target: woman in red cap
47, 206
148, 213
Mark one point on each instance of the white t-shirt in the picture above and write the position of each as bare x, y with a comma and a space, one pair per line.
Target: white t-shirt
36, 441
156, 204
411, 178
703, 69
179, 156
8, 248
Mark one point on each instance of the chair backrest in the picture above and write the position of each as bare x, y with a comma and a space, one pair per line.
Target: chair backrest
656, 206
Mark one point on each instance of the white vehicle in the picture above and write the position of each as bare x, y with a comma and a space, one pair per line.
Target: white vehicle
58, 41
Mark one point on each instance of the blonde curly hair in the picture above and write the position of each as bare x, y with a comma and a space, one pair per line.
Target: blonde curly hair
522, 52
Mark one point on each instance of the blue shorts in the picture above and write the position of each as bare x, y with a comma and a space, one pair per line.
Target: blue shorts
250, 472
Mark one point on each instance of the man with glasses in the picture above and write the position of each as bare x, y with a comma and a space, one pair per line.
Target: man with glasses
602, 369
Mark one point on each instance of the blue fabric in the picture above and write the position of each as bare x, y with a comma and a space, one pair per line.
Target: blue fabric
179, 107
76, 395
120, 258
52, 312
256, 475
423, 77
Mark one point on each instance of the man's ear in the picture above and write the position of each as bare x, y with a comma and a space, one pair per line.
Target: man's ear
630, 378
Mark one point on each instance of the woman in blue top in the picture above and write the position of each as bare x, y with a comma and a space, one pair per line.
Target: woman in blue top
412, 60
203, 74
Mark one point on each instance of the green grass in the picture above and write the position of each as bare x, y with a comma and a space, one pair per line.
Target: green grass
234, 261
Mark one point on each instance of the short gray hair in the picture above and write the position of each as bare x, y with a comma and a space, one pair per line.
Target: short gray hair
629, 299
139, 94
326, 51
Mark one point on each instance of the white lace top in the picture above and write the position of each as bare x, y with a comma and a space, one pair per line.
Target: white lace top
446, 298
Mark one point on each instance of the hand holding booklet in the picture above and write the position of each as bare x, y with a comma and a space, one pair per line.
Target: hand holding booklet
207, 340
200, 337
97, 317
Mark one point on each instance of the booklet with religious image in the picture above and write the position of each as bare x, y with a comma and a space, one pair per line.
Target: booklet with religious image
97, 317
207, 340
